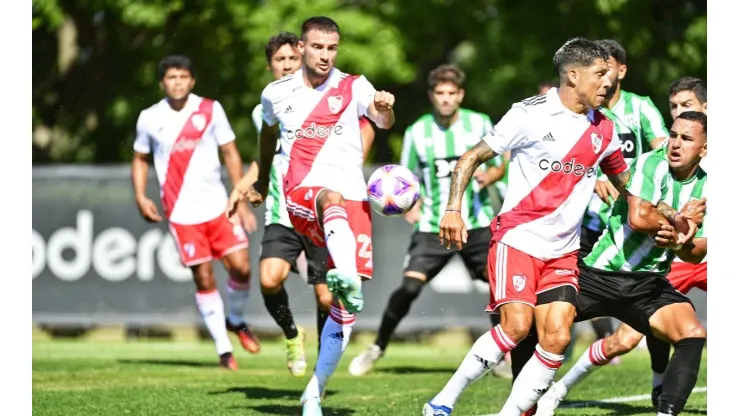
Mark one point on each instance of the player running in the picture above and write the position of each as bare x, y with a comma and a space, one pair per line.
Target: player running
640, 128
316, 113
283, 249
556, 141
185, 133
432, 145
686, 94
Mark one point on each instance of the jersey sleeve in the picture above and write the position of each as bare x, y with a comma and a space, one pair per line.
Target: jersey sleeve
268, 110
510, 132
364, 94
613, 163
257, 117
142, 143
651, 121
499, 159
647, 178
409, 157
221, 126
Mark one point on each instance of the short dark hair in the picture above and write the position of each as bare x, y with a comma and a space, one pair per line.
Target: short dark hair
446, 73
695, 116
692, 84
579, 52
174, 61
278, 41
615, 50
320, 23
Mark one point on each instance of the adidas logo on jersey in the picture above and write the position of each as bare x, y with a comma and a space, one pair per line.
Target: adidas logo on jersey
548, 138
288, 110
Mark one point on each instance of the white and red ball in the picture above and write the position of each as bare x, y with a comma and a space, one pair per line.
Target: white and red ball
392, 190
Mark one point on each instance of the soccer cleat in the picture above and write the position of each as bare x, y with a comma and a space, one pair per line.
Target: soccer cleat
502, 370
655, 394
364, 362
311, 405
249, 341
348, 288
227, 362
434, 410
297, 354
551, 400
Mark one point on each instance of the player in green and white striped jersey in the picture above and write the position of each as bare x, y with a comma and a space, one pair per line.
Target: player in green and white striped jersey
624, 276
432, 145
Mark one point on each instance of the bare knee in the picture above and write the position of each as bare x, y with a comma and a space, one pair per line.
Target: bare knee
240, 271
203, 276
694, 330
516, 320
556, 320
272, 275
555, 339
327, 198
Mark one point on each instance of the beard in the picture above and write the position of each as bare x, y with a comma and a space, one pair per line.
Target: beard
612, 90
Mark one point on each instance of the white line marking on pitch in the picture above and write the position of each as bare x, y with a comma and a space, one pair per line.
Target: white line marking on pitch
622, 399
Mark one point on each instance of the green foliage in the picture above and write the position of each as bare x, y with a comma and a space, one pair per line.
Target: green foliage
95, 61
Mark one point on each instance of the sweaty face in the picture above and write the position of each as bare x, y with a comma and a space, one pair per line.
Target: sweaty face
685, 101
446, 98
177, 83
319, 51
592, 84
687, 144
285, 61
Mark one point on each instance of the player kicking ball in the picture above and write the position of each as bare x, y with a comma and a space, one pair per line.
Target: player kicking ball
315, 112
185, 133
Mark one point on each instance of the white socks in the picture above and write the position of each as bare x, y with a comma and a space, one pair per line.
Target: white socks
532, 382
340, 240
592, 358
334, 340
211, 308
237, 294
484, 355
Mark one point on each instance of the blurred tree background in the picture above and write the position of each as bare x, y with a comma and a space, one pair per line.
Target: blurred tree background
94, 61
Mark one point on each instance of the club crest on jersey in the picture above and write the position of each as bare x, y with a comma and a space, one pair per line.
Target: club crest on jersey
596, 140
519, 282
199, 121
189, 249
335, 103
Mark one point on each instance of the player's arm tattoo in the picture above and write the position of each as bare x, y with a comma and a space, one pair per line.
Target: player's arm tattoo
463, 172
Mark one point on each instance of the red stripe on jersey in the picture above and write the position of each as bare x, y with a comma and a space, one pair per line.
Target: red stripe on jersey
305, 150
182, 152
556, 187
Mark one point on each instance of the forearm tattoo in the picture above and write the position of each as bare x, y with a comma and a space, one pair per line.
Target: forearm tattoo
464, 169
620, 181
666, 211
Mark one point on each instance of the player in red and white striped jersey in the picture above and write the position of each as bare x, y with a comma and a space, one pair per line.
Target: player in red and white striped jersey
316, 113
185, 133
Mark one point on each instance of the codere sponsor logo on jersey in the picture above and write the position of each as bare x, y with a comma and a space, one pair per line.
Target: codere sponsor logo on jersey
570, 167
314, 131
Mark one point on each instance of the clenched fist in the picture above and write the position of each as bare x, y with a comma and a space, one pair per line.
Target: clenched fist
384, 101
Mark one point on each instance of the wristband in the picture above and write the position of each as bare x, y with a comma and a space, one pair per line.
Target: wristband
452, 210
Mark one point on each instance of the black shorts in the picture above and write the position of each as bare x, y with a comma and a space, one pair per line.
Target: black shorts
285, 243
631, 297
426, 255
588, 240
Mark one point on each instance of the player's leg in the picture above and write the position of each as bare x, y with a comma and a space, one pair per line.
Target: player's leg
425, 258
675, 321
229, 243
514, 298
555, 312
195, 253
280, 248
684, 277
475, 256
355, 216
316, 266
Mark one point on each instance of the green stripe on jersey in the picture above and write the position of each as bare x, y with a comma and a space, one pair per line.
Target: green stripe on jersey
433, 151
622, 249
275, 210
637, 122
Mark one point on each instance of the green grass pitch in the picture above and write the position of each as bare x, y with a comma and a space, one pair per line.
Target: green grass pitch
77, 378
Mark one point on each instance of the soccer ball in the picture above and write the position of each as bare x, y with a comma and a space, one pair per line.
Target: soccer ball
392, 190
